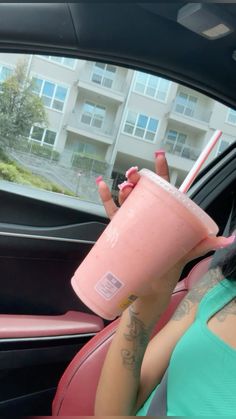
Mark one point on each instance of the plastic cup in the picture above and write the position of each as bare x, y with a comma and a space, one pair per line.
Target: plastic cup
155, 227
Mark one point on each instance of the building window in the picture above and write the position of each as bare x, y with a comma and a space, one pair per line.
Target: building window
53, 95
44, 136
185, 104
141, 126
152, 86
93, 114
176, 140
67, 62
231, 116
103, 74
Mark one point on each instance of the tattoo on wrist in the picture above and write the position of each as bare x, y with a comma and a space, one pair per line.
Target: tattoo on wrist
138, 337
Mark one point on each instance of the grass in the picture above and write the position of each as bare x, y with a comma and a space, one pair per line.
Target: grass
13, 172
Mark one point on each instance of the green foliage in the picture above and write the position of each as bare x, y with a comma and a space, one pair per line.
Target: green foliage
15, 173
20, 107
87, 163
4, 157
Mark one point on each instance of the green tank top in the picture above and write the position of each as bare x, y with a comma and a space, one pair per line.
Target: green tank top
202, 368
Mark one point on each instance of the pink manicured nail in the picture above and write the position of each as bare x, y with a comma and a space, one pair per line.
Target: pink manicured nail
158, 152
132, 170
228, 241
124, 185
98, 179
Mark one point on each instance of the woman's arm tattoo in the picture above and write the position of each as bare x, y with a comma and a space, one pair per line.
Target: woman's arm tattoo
137, 337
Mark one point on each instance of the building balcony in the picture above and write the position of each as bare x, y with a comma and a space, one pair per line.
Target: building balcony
182, 150
198, 118
98, 134
108, 93
183, 155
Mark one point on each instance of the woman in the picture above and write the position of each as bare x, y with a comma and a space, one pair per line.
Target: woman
198, 344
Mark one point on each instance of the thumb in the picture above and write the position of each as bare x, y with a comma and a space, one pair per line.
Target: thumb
209, 244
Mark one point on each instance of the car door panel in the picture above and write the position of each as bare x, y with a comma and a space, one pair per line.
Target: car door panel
43, 323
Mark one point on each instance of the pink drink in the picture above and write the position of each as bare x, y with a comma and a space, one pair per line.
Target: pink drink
155, 227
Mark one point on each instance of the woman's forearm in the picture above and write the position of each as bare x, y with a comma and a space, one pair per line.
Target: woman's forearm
119, 383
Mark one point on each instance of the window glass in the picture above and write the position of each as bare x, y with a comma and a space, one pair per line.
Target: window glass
53, 95
152, 86
93, 114
49, 137
103, 74
185, 104
115, 118
231, 117
37, 133
141, 126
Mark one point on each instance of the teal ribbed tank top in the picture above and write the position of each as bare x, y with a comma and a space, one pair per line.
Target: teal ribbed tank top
202, 368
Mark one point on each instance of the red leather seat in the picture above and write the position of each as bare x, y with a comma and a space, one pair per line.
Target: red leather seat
76, 391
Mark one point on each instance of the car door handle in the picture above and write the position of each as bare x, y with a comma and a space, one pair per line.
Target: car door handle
14, 326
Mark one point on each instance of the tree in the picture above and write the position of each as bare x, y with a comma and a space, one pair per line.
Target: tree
20, 107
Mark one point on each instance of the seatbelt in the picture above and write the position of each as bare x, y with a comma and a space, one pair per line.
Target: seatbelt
158, 406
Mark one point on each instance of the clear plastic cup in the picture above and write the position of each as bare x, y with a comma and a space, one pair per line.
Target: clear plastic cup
155, 227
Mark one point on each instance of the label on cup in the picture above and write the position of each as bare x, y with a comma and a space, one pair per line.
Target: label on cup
108, 286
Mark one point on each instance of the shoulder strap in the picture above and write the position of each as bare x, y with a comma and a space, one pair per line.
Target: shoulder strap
158, 406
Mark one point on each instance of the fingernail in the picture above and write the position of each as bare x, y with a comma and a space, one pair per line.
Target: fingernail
228, 241
98, 179
158, 152
132, 170
124, 185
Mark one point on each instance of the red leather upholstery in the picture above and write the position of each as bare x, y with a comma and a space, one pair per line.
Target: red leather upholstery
76, 391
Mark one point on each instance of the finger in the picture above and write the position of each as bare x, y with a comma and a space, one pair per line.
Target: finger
133, 175
107, 200
209, 244
125, 189
161, 165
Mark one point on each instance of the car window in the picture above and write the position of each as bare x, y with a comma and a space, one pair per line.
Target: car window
64, 122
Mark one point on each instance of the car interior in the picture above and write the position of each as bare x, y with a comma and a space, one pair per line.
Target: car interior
51, 344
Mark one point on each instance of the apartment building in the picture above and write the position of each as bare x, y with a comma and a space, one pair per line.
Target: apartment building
121, 116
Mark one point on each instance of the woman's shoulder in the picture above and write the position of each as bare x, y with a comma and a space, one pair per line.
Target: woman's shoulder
212, 278
191, 301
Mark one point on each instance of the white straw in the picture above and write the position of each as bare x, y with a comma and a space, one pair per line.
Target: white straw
199, 162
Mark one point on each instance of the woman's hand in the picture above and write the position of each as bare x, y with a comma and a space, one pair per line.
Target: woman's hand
133, 177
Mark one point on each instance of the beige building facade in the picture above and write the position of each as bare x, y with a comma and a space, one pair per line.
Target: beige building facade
121, 116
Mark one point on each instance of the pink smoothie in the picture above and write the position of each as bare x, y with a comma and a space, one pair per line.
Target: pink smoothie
155, 227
